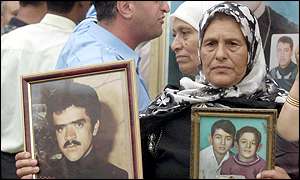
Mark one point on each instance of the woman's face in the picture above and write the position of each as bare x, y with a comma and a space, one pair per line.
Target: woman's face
185, 46
224, 53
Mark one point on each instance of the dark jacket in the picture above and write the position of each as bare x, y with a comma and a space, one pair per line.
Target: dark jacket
90, 167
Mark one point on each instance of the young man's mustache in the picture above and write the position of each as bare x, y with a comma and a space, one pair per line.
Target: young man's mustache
71, 142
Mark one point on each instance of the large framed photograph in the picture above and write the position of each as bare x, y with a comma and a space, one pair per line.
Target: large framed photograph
231, 143
83, 122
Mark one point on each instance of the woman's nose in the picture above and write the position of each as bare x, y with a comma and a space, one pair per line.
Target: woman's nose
176, 44
221, 52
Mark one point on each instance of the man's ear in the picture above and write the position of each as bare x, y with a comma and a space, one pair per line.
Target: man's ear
210, 139
125, 8
96, 128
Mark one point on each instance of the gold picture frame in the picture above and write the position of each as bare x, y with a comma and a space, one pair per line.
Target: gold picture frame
115, 136
212, 134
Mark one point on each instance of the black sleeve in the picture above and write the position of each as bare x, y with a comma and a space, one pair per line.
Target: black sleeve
287, 156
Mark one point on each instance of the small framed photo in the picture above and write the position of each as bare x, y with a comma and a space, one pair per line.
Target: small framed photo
283, 47
83, 122
231, 143
283, 64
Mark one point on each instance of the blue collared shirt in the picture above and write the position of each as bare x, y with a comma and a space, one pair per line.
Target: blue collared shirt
91, 12
91, 44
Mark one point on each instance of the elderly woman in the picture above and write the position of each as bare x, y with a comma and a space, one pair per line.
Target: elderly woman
185, 27
233, 74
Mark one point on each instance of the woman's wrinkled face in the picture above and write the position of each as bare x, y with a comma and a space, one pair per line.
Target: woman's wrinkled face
185, 46
224, 53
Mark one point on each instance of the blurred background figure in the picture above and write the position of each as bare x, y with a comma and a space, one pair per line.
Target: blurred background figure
270, 22
144, 51
9, 9
29, 12
2, 15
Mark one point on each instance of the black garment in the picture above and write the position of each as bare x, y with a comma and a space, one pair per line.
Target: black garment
14, 23
8, 166
166, 144
287, 156
166, 139
276, 24
90, 167
285, 77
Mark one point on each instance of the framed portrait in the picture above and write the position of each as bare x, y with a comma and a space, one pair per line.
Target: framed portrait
283, 63
285, 39
83, 122
231, 143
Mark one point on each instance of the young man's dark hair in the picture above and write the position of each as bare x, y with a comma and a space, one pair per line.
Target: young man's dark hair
63, 96
105, 9
61, 6
32, 3
225, 125
286, 39
248, 129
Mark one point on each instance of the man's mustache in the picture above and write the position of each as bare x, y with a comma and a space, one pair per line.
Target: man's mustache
71, 142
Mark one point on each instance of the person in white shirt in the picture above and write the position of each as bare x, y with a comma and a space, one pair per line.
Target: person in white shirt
26, 50
211, 158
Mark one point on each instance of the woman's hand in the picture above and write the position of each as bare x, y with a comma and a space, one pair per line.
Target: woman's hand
26, 166
277, 173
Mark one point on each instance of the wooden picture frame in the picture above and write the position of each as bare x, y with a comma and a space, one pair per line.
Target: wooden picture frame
212, 133
111, 134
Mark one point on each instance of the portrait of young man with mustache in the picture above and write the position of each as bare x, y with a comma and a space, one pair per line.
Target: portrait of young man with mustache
74, 111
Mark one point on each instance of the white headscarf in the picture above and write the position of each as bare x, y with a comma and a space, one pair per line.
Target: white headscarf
192, 12
256, 67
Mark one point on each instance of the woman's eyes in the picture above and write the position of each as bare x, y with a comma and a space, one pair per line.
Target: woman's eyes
210, 44
230, 45
184, 33
233, 44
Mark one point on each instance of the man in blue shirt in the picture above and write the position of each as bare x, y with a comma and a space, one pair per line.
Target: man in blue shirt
121, 27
